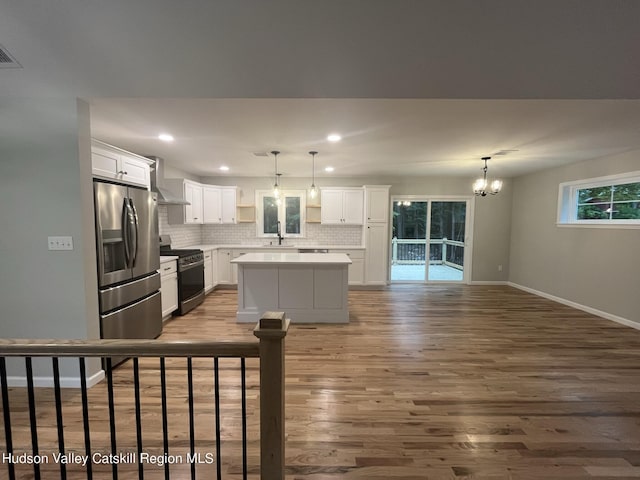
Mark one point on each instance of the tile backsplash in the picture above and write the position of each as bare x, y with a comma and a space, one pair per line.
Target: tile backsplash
316, 234
245, 234
181, 235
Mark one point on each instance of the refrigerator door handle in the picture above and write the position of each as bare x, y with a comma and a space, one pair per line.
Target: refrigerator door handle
134, 230
125, 232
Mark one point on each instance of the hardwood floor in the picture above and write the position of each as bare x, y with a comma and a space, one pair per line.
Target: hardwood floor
425, 382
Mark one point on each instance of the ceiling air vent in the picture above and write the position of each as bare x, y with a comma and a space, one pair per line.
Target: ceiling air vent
504, 152
6, 60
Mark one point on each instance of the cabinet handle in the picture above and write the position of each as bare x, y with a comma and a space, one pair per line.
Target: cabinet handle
122, 172
167, 268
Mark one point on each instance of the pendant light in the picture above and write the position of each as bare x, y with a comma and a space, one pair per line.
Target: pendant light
313, 193
481, 184
276, 185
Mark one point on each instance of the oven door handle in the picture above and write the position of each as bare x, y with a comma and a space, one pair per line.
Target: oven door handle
199, 263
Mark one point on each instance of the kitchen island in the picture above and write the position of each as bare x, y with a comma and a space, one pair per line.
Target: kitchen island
308, 287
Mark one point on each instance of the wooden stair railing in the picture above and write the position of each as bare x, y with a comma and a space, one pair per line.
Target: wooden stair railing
271, 331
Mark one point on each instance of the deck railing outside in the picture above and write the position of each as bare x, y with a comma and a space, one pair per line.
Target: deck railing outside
412, 251
51, 431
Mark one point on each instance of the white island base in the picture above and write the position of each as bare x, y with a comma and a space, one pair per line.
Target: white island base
308, 287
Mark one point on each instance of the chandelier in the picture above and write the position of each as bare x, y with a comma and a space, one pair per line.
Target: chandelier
481, 185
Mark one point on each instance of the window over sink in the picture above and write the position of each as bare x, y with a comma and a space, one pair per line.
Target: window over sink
288, 210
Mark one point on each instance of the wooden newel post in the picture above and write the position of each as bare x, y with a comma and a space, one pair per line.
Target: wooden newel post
271, 331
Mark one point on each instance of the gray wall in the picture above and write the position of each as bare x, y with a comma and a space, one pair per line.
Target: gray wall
492, 219
45, 189
594, 267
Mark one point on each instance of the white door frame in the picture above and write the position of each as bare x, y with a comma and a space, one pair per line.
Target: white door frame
468, 231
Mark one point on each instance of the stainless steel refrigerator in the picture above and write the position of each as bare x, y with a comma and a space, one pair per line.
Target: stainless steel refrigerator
128, 259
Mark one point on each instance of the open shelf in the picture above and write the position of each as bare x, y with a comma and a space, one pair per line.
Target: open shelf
246, 213
313, 214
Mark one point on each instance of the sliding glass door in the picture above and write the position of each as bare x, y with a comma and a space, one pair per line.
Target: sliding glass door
429, 240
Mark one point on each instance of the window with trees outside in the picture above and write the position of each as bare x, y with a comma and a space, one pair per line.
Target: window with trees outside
287, 210
605, 201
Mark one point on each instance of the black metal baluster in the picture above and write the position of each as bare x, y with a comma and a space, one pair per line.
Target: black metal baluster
136, 382
112, 418
216, 390
165, 428
59, 423
85, 416
243, 386
7, 417
32, 416
191, 425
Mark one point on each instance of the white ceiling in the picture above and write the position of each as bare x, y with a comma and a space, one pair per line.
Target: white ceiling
415, 87
380, 137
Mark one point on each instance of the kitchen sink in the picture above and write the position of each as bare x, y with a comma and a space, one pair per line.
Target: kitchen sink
278, 246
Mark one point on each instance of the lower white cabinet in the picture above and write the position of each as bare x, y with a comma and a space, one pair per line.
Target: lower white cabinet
376, 256
356, 268
235, 253
224, 267
208, 271
214, 267
169, 287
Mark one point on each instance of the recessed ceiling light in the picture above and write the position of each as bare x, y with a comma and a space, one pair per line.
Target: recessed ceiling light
224, 168
329, 169
334, 137
165, 137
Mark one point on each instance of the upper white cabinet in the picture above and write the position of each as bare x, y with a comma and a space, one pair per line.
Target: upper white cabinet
212, 199
229, 197
113, 163
219, 204
193, 213
377, 203
209, 203
344, 206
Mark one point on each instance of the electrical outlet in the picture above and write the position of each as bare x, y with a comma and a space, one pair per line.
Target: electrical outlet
60, 243
499, 268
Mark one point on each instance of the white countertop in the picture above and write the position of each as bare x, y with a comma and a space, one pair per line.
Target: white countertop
293, 258
206, 247
168, 258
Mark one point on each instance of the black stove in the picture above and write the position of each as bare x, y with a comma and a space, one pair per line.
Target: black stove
190, 274
179, 252
186, 256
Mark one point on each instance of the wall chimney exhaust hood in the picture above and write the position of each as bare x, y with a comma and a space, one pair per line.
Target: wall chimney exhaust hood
165, 197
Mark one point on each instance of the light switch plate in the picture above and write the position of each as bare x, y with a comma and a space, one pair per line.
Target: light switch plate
60, 243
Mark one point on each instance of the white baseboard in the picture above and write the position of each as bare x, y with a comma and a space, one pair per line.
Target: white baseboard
579, 306
47, 382
488, 282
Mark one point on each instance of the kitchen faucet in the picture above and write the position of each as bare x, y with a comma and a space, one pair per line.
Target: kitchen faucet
280, 237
